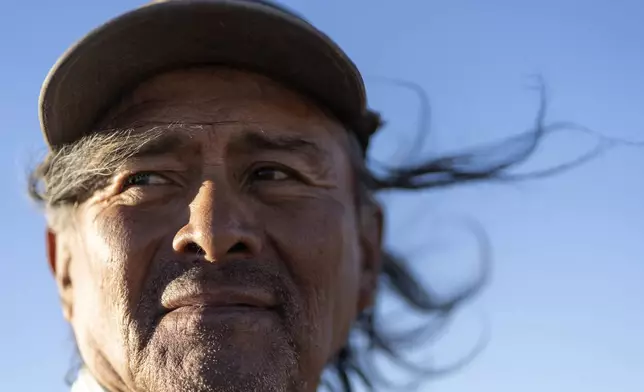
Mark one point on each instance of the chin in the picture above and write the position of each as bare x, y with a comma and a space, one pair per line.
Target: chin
208, 368
200, 351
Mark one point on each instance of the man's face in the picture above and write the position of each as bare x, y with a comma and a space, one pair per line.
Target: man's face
230, 253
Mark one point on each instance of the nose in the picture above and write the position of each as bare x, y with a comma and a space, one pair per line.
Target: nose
220, 226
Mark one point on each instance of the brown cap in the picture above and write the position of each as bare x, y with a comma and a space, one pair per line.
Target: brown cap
250, 34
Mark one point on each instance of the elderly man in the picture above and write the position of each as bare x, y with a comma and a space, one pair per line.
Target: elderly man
211, 225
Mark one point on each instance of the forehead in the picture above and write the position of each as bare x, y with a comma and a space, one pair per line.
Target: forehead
213, 95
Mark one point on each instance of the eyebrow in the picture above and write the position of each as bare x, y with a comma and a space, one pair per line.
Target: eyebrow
252, 141
248, 141
162, 144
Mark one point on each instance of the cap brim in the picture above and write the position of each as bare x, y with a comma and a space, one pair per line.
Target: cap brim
166, 35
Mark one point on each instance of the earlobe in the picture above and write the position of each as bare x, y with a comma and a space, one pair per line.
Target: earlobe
371, 222
59, 259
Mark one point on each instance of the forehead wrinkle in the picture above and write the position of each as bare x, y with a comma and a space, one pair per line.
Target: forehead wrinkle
173, 113
209, 91
120, 115
207, 98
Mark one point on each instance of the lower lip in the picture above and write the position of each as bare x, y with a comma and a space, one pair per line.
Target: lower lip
222, 311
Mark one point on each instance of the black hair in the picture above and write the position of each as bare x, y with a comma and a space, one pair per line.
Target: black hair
356, 362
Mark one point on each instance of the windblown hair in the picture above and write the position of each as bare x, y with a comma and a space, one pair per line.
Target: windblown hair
70, 174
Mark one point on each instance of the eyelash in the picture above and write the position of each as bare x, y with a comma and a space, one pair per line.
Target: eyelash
289, 173
128, 182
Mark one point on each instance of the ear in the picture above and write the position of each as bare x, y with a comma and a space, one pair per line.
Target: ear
59, 258
371, 222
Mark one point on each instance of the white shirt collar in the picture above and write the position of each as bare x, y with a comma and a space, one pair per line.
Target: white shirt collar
85, 382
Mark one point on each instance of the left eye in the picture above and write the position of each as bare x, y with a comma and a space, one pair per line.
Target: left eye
144, 179
270, 174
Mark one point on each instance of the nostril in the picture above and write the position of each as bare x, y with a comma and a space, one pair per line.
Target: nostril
239, 248
194, 249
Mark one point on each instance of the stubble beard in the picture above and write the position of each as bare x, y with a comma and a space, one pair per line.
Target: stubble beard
180, 354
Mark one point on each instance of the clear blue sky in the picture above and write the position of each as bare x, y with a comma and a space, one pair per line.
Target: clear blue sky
565, 308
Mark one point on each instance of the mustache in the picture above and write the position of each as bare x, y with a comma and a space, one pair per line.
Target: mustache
252, 274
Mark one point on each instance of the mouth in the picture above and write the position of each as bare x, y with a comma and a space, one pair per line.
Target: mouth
229, 300
218, 312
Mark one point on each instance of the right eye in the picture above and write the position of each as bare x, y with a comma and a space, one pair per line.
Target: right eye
144, 179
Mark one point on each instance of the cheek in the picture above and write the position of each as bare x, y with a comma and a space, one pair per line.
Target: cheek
133, 237
319, 241
119, 246
122, 246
